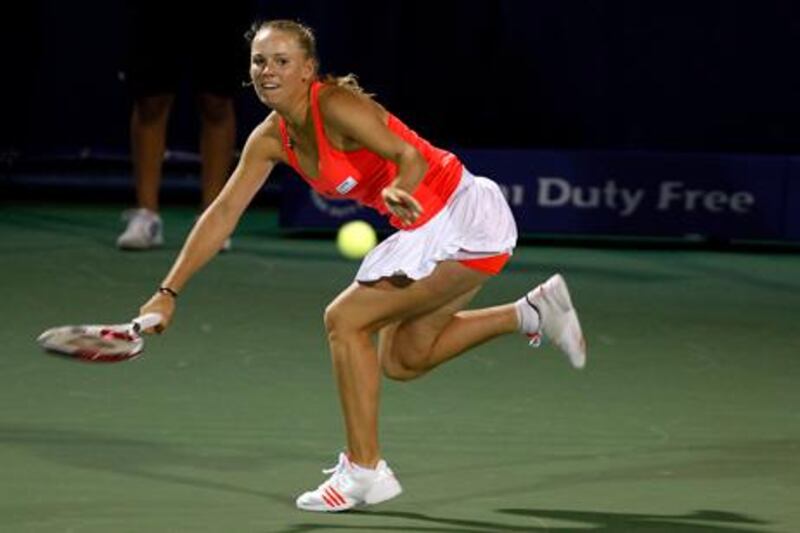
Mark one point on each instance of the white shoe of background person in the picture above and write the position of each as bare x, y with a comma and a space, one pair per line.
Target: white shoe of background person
547, 311
349, 486
144, 230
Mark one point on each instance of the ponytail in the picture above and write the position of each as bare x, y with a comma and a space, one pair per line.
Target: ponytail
349, 82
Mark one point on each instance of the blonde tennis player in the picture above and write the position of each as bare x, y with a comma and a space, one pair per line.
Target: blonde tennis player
455, 231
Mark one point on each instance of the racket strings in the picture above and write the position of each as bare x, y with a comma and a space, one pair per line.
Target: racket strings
99, 342
104, 343
116, 335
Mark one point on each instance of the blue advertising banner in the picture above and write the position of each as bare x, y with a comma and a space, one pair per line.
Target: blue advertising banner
614, 193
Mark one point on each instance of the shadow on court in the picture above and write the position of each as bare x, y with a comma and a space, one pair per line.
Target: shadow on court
133, 457
712, 522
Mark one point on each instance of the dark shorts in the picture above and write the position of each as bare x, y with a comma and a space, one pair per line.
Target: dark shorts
201, 44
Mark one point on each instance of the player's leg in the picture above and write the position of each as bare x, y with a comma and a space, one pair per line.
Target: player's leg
362, 310
350, 320
409, 348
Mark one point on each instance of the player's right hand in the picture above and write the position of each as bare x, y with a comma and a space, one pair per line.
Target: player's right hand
161, 303
401, 204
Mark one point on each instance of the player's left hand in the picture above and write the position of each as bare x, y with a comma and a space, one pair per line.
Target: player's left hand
401, 204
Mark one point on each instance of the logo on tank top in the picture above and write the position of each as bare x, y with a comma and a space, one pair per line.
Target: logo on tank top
346, 186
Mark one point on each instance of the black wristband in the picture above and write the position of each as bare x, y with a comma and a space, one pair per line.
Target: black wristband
167, 290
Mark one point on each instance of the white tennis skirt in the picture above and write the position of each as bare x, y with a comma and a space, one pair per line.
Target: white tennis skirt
476, 222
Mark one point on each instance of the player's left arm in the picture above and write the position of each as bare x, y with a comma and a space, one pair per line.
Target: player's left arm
359, 119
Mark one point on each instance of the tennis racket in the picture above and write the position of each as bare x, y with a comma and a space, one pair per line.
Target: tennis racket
99, 343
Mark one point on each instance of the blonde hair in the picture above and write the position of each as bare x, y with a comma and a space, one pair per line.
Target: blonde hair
308, 42
349, 82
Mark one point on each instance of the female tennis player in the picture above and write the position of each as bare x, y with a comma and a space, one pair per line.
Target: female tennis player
455, 231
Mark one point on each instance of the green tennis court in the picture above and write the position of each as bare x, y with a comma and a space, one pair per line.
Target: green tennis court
685, 419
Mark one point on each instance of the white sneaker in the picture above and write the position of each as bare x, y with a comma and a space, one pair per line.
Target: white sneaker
351, 486
558, 320
144, 230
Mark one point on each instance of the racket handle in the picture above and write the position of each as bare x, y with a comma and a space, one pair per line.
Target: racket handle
146, 321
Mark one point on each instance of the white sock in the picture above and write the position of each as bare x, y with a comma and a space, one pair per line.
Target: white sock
362, 471
527, 316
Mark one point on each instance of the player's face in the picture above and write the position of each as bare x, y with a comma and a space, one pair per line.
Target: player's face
279, 68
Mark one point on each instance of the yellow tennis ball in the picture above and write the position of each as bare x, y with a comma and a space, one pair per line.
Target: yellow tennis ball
355, 239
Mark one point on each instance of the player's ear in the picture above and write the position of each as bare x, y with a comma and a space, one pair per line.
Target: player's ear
309, 69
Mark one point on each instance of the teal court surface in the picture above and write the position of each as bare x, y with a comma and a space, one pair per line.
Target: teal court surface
685, 420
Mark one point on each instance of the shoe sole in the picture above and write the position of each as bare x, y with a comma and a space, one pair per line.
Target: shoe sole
560, 292
157, 243
378, 494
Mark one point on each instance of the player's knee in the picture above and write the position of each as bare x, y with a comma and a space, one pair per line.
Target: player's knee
337, 322
343, 318
331, 318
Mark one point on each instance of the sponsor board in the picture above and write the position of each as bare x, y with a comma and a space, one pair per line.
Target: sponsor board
614, 193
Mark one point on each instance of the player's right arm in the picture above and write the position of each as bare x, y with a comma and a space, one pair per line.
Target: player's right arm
259, 156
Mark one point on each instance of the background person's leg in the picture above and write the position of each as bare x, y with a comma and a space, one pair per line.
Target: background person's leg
148, 132
148, 144
217, 139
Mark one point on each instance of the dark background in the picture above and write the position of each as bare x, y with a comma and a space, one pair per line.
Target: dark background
713, 76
